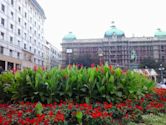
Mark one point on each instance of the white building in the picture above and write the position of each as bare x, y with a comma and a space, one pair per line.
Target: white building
53, 56
21, 34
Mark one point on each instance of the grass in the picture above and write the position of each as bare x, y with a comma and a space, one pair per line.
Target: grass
152, 119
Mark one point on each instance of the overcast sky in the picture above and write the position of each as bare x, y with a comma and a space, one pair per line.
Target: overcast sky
91, 18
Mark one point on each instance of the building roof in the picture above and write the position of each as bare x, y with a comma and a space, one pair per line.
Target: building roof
38, 8
160, 33
113, 31
69, 37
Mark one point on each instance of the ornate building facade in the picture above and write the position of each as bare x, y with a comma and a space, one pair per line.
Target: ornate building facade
118, 50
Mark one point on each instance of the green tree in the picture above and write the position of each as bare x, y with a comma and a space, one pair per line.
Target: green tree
149, 63
85, 59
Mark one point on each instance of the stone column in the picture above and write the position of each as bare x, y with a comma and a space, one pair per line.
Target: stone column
6, 66
14, 65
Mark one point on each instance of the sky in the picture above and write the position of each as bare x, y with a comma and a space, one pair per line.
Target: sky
91, 18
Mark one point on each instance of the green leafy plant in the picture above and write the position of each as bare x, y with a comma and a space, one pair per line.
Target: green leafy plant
38, 108
100, 83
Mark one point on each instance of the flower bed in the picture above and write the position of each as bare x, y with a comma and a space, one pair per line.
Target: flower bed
101, 95
70, 113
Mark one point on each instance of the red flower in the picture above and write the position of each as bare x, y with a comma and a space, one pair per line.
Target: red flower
96, 114
70, 106
160, 91
1, 119
35, 68
14, 70
81, 65
110, 67
107, 106
43, 68
19, 114
139, 107
51, 113
92, 65
59, 117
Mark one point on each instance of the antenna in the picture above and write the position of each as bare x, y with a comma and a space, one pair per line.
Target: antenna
112, 23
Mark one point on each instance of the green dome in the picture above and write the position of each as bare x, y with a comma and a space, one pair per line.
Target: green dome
113, 31
69, 37
160, 33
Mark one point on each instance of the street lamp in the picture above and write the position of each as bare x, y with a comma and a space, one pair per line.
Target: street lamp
69, 51
161, 69
100, 54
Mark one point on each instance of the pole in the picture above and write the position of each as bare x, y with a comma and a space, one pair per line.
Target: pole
69, 58
161, 75
100, 61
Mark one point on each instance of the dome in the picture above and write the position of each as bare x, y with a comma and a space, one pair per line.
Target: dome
113, 31
160, 33
69, 37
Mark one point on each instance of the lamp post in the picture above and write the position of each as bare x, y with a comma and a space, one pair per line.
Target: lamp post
161, 69
69, 51
100, 54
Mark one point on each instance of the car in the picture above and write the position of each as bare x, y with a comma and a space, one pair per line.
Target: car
161, 85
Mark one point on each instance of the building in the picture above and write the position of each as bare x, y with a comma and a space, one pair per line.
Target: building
53, 56
116, 49
21, 34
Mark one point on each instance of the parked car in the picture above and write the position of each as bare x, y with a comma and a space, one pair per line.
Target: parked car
161, 85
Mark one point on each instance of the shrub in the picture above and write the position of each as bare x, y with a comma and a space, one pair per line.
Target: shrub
101, 83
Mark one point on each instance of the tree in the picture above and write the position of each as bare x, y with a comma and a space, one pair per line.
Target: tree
85, 59
149, 63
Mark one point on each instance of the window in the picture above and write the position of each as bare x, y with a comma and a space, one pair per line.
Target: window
35, 51
11, 52
25, 15
1, 50
2, 35
25, 35
18, 55
18, 42
42, 63
12, 2
35, 42
19, 31
25, 24
11, 39
19, 19
30, 48
3, 21
3, 7
30, 38
163, 58
19, 8
12, 14
25, 46
11, 26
